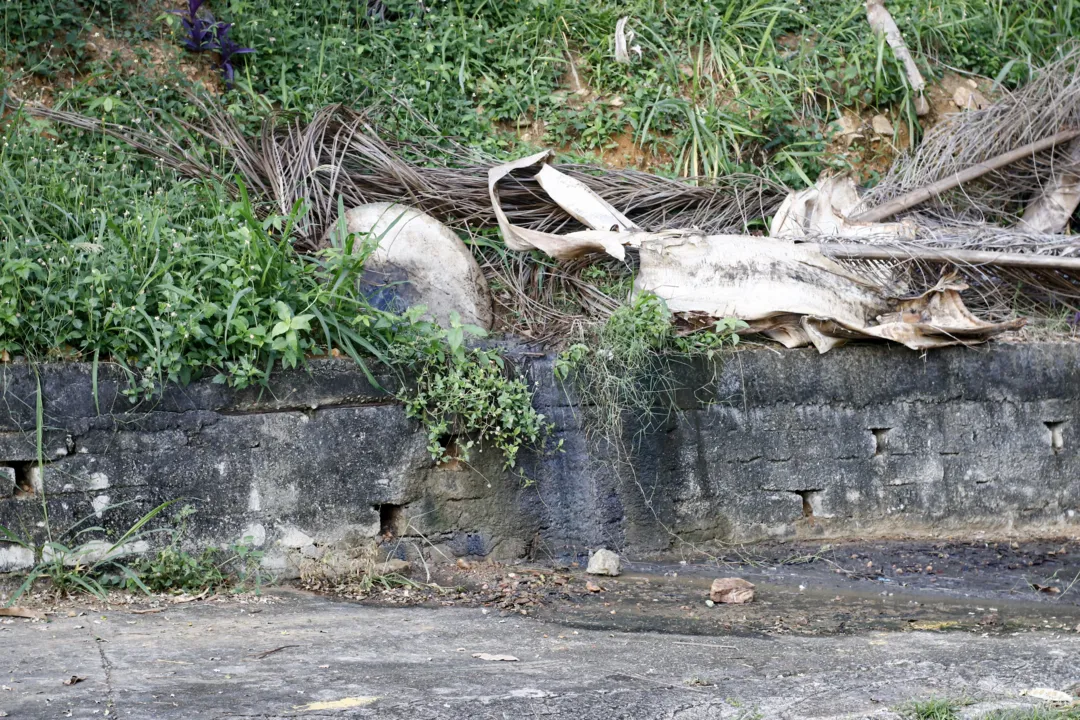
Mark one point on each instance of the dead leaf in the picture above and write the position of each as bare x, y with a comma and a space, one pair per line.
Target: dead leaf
342, 704
1048, 589
74, 680
495, 658
22, 613
1055, 696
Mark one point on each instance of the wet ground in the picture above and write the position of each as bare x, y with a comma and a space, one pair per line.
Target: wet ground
804, 588
848, 630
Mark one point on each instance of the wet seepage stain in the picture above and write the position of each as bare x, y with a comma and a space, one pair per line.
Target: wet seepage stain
802, 589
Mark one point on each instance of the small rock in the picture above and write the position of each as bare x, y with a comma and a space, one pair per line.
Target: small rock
710, 603
312, 551
967, 98
604, 562
391, 567
922, 105
733, 591
419, 261
463, 564
882, 126
592, 587
848, 127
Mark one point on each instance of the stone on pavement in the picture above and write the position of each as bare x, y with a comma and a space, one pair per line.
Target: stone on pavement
604, 562
732, 591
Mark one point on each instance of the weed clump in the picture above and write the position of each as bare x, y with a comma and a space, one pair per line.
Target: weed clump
626, 365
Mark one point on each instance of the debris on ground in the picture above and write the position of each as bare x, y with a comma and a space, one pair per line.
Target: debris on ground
881, 20
624, 39
342, 704
604, 562
731, 591
495, 658
1053, 696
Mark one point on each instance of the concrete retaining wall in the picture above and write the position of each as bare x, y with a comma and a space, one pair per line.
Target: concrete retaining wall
863, 440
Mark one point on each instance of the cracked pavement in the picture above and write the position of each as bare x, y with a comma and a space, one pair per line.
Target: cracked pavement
282, 655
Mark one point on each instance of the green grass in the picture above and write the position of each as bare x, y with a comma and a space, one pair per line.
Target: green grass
934, 709
721, 86
735, 85
170, 280
949, 709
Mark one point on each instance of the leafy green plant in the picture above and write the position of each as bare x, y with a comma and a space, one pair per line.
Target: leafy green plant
173, 569
169, 280
458, 390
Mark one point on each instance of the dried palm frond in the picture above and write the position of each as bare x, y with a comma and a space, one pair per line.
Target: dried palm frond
339, 153
1048, 104
996, 291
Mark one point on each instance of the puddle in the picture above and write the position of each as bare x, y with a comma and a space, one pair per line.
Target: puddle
640, 601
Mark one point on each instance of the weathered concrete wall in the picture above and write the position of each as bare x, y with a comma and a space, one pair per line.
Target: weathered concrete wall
868, 439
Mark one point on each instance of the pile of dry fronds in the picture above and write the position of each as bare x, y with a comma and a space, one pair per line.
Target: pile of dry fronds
1046, 105
340, 154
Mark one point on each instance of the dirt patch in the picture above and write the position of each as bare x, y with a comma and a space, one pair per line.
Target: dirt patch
865, 150
164, 57
158, 59
941, 94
